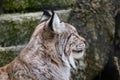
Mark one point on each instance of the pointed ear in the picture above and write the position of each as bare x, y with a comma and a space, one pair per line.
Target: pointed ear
46, 15
54, 23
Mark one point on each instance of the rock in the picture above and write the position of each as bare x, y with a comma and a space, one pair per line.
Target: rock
6, 57
15, 49
94, 21
117, 35
1, 6
35, 5
111, 70
116, 63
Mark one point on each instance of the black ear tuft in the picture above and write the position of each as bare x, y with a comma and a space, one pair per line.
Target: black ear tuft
46, 15
51, 20
53, 23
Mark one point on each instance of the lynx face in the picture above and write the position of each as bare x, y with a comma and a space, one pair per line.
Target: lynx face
75, 48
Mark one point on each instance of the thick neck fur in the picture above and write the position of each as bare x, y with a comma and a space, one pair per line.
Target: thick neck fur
45, 57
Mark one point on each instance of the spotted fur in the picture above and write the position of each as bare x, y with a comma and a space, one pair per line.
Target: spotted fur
50, 53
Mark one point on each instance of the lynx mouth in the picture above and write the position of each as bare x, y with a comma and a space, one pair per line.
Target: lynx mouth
77, 51
77, 54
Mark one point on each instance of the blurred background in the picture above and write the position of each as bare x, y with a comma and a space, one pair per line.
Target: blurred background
98, 21
22, 6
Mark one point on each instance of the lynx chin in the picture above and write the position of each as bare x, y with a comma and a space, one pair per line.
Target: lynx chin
50, 53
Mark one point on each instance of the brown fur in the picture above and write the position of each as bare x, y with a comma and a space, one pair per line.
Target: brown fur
46, 57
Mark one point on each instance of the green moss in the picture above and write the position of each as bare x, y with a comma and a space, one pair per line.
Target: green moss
6, 57
16, 33
35, 5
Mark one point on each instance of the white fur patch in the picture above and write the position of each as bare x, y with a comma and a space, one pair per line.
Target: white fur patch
57, 26
71, 61
78, 55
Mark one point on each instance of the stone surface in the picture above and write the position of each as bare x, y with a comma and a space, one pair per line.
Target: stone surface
7, 54
1, 8
10, 6
94, 21
6, 57
117, 36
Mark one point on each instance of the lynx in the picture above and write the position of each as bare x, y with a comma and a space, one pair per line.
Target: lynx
50, 53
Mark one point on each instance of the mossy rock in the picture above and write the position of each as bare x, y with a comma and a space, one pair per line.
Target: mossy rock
16, 29
6, 57
7, 54
94, 21
35, 5
16, 32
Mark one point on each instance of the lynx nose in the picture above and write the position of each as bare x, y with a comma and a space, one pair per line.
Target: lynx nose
83, 42
81, 46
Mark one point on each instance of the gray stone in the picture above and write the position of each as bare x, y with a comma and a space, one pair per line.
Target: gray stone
10, 6
94, 21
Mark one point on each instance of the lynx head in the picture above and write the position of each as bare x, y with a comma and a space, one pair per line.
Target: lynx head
68, 44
